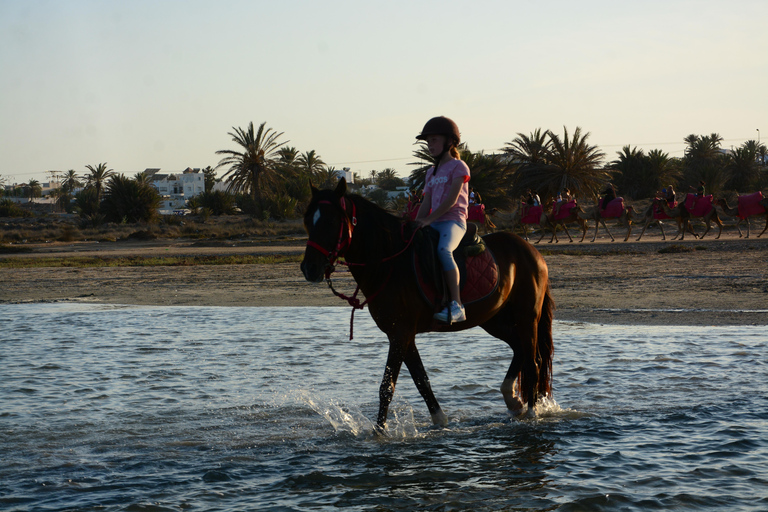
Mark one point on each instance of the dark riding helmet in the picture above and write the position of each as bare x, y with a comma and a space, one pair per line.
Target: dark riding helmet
441, 126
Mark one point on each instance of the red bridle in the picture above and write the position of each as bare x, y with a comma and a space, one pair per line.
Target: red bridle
345, 236
342, 244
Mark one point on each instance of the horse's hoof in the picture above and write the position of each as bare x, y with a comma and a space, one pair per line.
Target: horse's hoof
514, 405
380, 430
439, 418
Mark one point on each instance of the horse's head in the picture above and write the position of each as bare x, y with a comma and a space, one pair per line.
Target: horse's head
330, 231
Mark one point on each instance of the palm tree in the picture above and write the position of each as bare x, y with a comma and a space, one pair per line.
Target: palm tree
98, 176
388, 179
704, 160
630, 172
287, 156
309, 163
70, 182
569, 162
529, 155
491, 177
529, 150
129, 200
743, 167
33, 189
664, 171
326, 177
253, 168
425, 161
142, 178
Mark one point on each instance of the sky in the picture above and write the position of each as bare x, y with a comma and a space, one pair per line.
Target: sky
161, 83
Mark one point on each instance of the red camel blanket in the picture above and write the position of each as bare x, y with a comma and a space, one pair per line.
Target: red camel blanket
614, 209
750, 205
476, 213
532, 215
698, 206
659, 213
565, 210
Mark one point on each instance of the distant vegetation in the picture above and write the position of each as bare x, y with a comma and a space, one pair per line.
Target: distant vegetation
268, 179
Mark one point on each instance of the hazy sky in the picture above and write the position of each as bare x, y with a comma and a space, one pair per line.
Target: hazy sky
160, 83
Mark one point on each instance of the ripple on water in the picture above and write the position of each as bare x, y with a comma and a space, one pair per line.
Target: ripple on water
157, 408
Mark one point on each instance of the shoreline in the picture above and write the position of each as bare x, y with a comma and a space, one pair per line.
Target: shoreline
719, 282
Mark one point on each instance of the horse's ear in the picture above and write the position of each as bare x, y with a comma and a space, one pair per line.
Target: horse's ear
313, 188
341, 188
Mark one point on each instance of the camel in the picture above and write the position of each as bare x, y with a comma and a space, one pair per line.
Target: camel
681, 215
488, 225
573, 216
704, 211
647, 218
734, 212
514, 219
594, 213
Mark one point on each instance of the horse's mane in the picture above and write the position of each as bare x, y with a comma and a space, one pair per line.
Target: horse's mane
372, 209
380, 228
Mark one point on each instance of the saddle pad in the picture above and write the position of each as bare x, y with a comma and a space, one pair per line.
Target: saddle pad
660, 214
481, 278
698, 207
476, 213
750, 205
533, 215
565, 210
614, 209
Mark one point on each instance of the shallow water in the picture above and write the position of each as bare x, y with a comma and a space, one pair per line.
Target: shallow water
186, 408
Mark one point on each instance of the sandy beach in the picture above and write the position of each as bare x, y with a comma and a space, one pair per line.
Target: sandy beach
719, 282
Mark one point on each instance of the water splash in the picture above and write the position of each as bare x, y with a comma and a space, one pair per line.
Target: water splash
342, 418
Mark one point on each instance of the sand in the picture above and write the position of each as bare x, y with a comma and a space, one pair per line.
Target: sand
721, 282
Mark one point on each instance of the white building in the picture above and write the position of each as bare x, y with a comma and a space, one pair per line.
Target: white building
176, 189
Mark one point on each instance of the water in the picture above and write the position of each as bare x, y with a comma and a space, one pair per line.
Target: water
182, 408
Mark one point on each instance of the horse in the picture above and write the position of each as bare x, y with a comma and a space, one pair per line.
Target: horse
378, 248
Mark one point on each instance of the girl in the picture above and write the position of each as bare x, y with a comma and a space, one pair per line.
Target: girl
444, 207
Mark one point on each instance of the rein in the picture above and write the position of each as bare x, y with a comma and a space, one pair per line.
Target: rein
342, 245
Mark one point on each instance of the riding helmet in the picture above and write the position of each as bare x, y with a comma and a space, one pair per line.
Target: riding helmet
441, 126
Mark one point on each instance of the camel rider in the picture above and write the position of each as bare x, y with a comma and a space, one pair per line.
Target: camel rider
445, 204
609, 194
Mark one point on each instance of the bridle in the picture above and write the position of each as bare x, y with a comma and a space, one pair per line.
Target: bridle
346, 229
344, 239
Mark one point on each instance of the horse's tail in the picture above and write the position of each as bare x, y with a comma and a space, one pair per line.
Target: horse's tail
545, 348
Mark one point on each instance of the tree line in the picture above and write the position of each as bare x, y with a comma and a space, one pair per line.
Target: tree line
267, 178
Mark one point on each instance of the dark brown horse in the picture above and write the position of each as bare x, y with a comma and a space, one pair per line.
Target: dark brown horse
376, 246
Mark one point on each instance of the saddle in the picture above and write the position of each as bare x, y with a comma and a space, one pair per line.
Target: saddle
478, 271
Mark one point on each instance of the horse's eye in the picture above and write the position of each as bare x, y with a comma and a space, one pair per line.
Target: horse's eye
316, 217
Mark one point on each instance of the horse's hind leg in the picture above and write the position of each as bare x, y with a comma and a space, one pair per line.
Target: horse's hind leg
509, 388
505, 327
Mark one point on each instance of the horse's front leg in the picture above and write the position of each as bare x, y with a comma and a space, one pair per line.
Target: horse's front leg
420, 378
388, 382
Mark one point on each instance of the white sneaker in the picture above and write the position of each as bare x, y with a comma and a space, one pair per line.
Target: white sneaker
457, 313
451, 314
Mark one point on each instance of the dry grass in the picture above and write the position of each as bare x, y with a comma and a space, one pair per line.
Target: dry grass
70, 229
